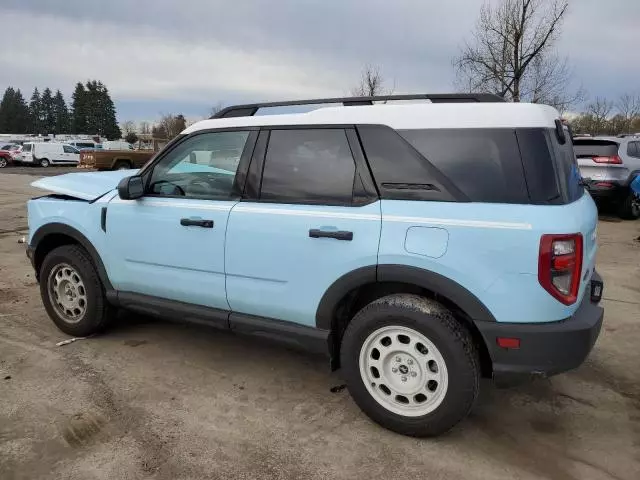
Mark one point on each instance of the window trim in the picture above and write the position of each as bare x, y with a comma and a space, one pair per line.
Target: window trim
253, 187
240, 177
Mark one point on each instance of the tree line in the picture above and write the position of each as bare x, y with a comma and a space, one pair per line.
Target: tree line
92, 112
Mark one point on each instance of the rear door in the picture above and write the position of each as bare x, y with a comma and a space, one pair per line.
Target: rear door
309, 216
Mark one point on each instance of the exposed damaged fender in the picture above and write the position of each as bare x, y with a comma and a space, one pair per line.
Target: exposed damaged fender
84, 185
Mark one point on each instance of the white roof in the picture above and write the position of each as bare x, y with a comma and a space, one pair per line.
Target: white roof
406, 117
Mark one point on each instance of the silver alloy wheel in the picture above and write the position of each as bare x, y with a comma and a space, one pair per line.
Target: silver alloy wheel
3, 162
67, 293
403, 371
635, 206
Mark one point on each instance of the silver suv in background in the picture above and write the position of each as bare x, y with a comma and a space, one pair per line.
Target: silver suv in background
608, 166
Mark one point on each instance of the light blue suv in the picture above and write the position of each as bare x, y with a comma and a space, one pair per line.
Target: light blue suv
419, 246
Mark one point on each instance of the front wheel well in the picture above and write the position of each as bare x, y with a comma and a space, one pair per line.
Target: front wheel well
359, 297
46, 245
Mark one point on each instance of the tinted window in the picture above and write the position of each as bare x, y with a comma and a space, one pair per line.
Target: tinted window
595, 148
308, 166
633, 149
567, 167
202, 166
69, 149
484, 163
537, 159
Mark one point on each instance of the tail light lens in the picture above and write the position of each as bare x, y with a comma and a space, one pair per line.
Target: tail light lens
612, 160
560, 266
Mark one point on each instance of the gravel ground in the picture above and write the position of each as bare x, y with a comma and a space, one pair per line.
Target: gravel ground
161, 400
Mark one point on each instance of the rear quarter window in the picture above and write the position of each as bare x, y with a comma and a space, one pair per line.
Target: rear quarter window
568, 172
484, 164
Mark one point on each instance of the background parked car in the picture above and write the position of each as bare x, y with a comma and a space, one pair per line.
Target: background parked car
49, 153
116, 145
609, 165
83, 145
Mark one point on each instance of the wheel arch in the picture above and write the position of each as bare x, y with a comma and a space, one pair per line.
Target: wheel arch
347, 295
54, 235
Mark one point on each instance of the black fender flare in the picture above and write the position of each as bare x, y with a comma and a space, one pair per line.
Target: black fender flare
631, 177
62, 229
443, 286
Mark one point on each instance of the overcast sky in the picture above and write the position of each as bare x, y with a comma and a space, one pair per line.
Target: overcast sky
168, 56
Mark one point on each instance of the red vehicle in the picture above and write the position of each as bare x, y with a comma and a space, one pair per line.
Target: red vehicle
7, 157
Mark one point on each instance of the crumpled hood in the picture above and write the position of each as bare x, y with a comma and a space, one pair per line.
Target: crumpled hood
85, 185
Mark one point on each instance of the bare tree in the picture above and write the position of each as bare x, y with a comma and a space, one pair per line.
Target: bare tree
628, 108
511, 52
127, 127
145, 128
169, 126
547, 83
600, 110
371, 83
215, 109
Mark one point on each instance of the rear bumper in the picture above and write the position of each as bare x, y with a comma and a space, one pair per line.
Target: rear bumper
545, 349
605, 189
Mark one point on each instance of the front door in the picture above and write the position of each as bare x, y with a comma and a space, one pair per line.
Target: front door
170, 243
312, 220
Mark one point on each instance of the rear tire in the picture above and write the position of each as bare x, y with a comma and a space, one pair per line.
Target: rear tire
44, 162
72, 292
630, 207
410, 365
122, 165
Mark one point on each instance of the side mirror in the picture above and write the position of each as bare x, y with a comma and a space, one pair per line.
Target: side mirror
131, 188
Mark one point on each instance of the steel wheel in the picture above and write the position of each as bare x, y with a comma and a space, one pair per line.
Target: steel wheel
67, 293
403, 371
44, 163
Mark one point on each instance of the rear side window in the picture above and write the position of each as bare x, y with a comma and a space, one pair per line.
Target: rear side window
567, 168
308, 166
69, 149
595, 148
484, 163
633, 149
27, 147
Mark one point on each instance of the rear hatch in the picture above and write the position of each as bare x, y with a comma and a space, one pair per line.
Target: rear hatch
599, 160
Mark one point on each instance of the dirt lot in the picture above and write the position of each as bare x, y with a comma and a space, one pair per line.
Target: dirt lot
167, 401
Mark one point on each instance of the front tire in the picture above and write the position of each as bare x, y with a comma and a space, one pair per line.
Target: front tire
122, 165
72, 292
410, 365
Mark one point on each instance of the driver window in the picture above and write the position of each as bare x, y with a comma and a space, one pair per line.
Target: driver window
203, 166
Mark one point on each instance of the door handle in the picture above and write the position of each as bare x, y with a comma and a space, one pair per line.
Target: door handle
337, 234
196, 222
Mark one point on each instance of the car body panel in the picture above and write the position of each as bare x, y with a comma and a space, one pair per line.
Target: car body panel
85, 185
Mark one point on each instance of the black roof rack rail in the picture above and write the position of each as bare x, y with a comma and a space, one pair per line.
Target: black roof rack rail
250, 109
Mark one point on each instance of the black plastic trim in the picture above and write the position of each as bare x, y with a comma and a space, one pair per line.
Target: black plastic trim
336, 292
307, 338
443, 286
172, 309
252, 108
62, 229
103, 219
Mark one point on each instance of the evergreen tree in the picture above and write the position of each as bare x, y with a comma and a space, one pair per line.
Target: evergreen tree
62, 119
6, 110
48, 113
20, 114
79, 110
111, 130
35, 112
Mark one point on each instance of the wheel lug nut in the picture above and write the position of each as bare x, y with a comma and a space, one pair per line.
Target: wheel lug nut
394, 370
410, 362
398, 359
414, 374
404, 379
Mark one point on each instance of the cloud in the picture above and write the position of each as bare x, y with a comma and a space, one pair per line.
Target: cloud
161, 55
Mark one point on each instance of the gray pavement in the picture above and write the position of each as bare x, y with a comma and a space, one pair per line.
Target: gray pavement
160, 400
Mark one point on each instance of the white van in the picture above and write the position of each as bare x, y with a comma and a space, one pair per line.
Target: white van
49, 153
117, 145
84, 144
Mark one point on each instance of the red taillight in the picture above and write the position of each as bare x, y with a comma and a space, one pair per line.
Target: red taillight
508, 342
560, 266
614, 159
